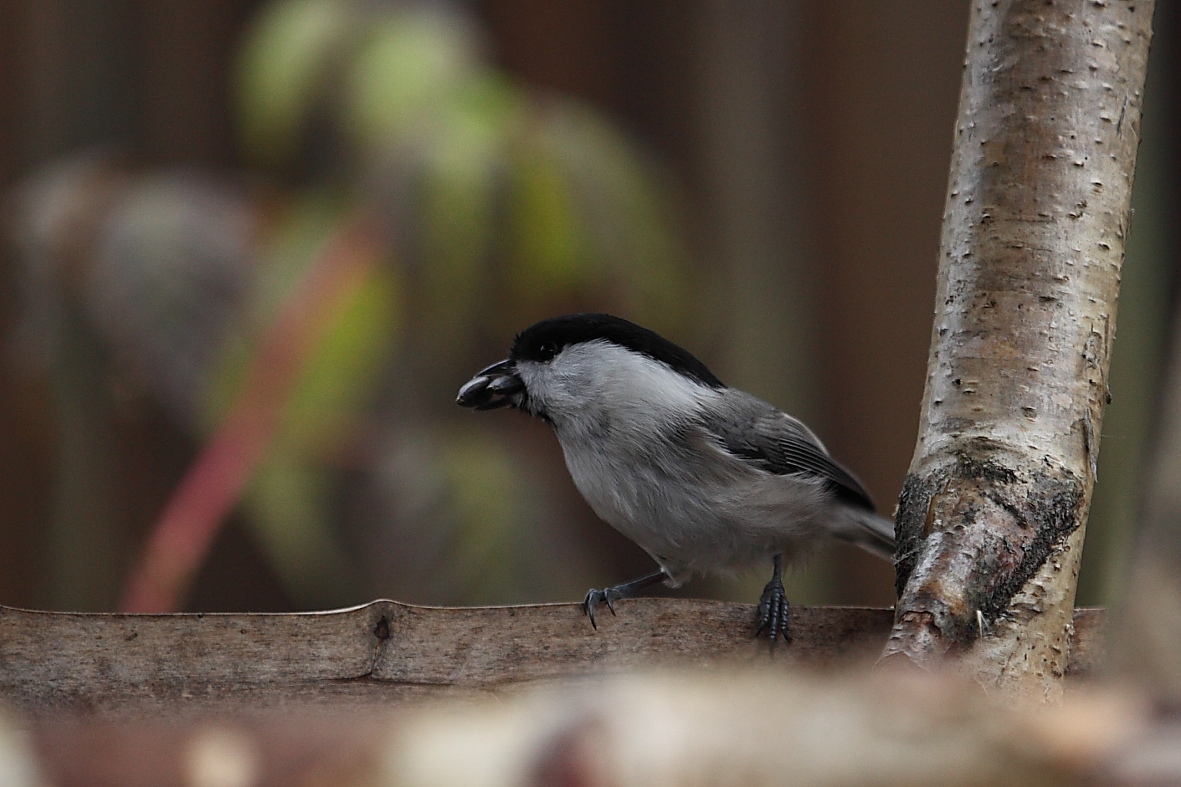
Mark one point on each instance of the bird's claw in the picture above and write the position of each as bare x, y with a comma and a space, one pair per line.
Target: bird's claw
774, 612
595, 597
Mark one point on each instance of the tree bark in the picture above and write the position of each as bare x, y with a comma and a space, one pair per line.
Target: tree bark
992, 512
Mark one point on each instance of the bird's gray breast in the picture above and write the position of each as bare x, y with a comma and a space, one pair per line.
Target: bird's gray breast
651, 489
689, 503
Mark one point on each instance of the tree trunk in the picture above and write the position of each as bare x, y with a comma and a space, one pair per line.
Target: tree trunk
992, 512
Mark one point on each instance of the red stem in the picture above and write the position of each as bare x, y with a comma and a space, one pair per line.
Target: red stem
218, 477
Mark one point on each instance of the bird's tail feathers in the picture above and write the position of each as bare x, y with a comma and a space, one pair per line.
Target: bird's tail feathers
870, 531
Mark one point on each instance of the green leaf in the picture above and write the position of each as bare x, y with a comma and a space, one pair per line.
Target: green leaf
550, 256
461, 174
301, 230
411, 63
339, 377
288, 509
282, 65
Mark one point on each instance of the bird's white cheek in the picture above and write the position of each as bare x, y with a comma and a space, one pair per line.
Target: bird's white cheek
560, 397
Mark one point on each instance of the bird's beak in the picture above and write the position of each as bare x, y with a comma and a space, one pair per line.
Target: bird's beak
492, 387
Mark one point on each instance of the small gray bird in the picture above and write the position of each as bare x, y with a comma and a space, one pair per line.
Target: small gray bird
703, 477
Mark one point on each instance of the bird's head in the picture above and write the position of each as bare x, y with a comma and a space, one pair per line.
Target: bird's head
580, 363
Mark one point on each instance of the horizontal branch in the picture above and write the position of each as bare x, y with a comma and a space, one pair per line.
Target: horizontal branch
124, 665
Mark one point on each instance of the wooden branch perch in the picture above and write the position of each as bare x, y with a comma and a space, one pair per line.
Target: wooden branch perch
991, 516
144, 666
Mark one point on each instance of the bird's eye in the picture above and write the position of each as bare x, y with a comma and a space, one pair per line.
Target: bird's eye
547, 351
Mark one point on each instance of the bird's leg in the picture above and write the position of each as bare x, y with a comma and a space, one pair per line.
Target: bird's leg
610, 595
774, 611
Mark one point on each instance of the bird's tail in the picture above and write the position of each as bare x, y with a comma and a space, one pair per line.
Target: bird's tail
862, 527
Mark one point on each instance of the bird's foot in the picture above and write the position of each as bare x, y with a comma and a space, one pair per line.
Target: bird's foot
595, 597
610, 595
774, 612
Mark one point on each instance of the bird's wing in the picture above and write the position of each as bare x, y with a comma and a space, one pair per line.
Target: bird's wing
780, 444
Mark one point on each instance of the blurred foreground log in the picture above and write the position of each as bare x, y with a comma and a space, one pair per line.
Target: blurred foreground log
748, 726
371, 657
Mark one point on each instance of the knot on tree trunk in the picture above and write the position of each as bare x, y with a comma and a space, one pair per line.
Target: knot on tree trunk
971, 533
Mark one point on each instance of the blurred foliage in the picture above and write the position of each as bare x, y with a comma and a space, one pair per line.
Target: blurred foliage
281, 67
494, 205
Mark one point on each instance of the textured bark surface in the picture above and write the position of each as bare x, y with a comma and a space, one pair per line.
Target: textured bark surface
991, 515
145, 667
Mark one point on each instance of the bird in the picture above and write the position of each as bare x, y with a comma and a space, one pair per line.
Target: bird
705, 478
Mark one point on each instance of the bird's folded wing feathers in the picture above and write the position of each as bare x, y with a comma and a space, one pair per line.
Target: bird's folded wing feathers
780, 444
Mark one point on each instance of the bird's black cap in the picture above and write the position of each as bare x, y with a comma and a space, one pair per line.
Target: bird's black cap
543, 340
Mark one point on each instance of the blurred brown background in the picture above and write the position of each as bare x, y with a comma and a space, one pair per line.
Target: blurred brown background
804, 147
